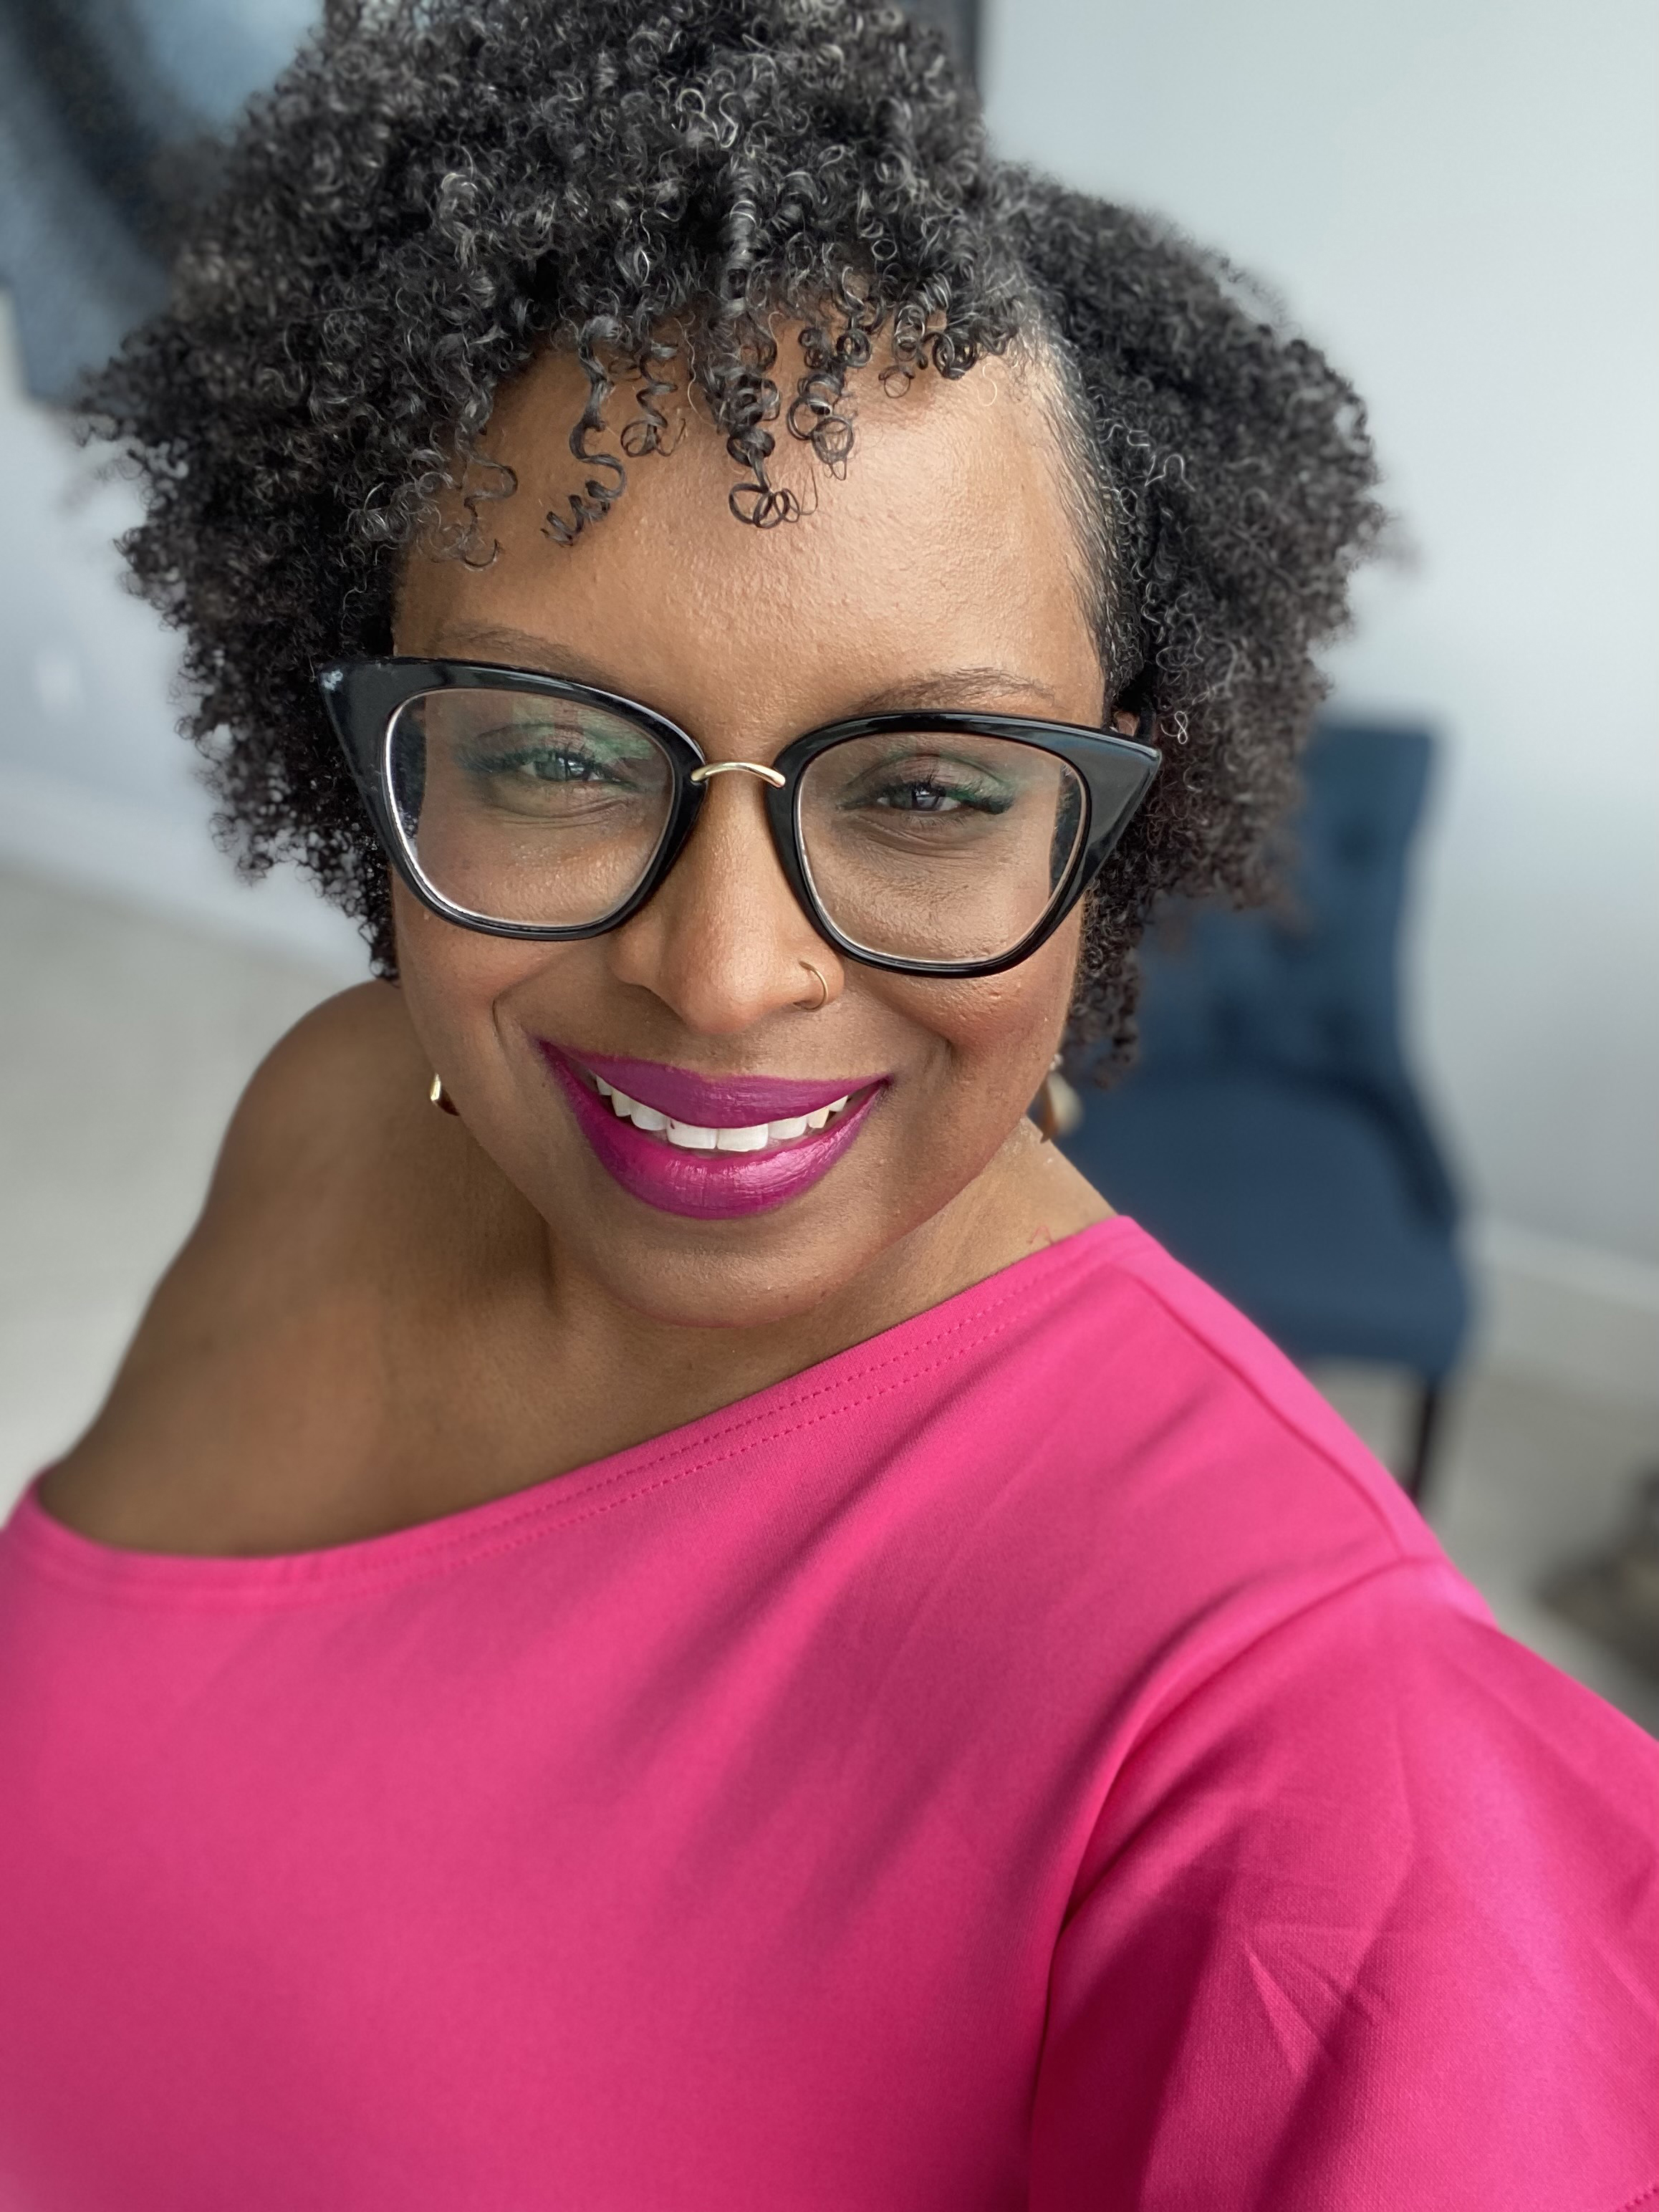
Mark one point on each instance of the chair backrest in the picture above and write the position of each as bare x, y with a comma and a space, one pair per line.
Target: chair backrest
1310, 992
1309, 988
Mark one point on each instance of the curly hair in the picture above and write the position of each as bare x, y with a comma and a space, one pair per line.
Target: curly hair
437, 190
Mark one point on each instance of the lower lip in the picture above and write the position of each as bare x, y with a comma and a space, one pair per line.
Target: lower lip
706, 1186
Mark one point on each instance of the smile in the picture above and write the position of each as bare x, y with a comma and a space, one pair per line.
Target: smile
695, 1137
710, 1148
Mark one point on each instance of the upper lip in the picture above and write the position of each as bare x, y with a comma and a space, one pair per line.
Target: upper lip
716, 1102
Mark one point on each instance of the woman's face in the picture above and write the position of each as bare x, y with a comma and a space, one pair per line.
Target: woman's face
940, 572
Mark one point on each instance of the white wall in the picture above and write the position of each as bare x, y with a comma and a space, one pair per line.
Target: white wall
94, 783
1460, 199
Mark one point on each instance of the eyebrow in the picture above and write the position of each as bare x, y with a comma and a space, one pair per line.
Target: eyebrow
952, 687
520, 648
947, 688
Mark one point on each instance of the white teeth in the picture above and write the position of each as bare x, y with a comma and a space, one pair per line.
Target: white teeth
643, 1117
754, 1138
691, 1137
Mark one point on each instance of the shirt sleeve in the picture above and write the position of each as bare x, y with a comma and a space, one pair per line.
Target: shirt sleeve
1368, 1921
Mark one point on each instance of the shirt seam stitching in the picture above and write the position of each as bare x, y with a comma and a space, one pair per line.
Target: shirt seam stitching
450, 1554
1279, 1417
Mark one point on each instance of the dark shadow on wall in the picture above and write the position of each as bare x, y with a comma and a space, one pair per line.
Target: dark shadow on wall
109, 111
959, 19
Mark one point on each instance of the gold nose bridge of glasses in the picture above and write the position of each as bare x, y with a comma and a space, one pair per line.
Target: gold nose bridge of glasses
733, 768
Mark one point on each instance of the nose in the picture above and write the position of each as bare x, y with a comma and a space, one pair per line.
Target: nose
723, 943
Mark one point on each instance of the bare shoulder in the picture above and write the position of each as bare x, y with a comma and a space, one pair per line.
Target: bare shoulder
324, 1104
262, 1340
331, 1121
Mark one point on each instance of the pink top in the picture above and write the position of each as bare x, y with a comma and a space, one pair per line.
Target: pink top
1034, 1759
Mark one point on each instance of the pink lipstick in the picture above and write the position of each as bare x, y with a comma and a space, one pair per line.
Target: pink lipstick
713, 1147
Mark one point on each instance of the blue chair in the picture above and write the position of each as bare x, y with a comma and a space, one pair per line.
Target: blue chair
1269, 1133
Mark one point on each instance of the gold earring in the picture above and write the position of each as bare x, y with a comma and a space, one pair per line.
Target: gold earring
1059, 1108
812, 1005
440, 1098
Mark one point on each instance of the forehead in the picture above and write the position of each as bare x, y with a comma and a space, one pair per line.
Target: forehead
945, 543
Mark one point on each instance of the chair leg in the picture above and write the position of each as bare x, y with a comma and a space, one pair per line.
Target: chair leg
1428, 1421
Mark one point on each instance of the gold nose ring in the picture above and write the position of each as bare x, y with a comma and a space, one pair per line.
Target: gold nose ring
811, 1007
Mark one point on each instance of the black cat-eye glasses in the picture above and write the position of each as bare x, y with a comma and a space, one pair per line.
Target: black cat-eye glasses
934, 843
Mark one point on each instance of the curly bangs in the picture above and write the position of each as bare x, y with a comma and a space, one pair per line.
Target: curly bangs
437, 190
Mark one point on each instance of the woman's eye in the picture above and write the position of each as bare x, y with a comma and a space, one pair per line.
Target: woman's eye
548, 764
919, 798
935, 794
561, 767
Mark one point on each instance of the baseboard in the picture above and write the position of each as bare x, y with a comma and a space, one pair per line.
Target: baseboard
1586, 1317
118, 848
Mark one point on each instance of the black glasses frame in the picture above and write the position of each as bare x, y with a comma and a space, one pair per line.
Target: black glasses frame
364, 698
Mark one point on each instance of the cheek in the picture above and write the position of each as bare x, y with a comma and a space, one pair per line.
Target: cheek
1001, 1031
454, 979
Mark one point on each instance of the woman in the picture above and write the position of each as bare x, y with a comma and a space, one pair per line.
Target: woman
703, 1626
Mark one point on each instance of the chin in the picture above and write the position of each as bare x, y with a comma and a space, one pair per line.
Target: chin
691, 1282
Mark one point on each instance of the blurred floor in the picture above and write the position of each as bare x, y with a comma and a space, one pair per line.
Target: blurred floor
124, 1043
127, 1040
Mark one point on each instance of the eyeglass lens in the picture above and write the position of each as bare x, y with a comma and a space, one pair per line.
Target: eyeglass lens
950, 846
522, 807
